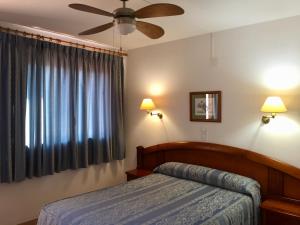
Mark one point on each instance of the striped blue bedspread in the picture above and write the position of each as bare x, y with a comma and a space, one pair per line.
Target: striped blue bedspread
176, 194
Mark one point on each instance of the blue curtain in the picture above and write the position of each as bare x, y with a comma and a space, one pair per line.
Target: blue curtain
60, 108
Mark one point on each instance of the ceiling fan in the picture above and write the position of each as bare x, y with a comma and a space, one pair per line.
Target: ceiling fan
125, 18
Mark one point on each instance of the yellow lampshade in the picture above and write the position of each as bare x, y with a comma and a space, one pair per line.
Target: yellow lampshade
147, 104
273, 104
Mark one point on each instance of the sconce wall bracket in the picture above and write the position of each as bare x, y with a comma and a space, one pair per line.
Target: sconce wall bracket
160, 115
266, 119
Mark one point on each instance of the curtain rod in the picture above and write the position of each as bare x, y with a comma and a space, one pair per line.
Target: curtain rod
62, 42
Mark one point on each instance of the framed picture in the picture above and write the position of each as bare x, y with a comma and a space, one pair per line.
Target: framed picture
206, 106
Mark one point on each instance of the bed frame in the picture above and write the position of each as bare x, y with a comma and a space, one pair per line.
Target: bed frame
280, 182
277, 179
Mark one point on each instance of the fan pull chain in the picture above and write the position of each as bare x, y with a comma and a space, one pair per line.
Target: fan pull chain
121, 43
113, 36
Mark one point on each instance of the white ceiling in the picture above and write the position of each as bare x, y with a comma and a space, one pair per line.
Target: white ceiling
201, 16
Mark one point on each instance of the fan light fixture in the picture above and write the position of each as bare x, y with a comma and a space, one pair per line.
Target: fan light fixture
125, 25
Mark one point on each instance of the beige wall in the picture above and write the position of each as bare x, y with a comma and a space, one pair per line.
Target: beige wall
247, 65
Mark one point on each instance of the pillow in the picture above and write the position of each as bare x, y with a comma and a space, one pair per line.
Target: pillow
214, 177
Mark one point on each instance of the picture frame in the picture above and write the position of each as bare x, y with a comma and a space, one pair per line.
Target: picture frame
206, 106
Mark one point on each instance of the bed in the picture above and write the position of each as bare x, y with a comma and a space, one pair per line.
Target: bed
176, 193
192, 183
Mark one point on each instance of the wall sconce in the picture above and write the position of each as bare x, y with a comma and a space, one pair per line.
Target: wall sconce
272, 105
148, 105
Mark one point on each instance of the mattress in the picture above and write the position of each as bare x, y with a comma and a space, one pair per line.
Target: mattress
176, 194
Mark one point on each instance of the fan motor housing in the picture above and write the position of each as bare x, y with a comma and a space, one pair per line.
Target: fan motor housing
124, 12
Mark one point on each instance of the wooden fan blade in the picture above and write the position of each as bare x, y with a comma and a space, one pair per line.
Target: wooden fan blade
97, 29
150, 30
90, 9
159, 10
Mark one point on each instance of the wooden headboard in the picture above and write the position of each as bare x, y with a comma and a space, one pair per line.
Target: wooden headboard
276, 178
